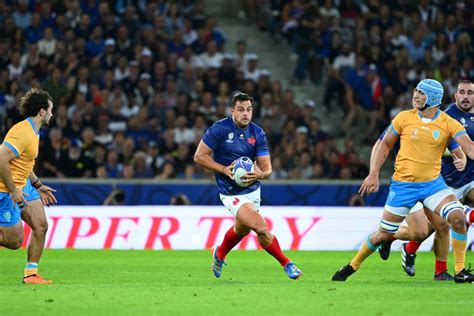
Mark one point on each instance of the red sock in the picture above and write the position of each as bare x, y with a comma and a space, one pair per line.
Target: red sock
275, 250
412, 246
471, 217
230, 240
440, 266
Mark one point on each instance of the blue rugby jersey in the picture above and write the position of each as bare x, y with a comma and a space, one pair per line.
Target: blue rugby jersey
230, 142
453, 177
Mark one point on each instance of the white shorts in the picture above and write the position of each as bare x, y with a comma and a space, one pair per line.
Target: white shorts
417, 207
462, 191
234, 202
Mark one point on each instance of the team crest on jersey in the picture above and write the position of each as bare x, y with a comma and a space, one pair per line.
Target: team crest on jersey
414, 133
230, 137
251, 140
7, 216
436, 134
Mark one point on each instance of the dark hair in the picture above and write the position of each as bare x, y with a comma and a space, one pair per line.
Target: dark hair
464, 81
239, 97
33, 101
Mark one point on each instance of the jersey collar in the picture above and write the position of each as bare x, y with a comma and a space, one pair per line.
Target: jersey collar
29, 119
434, 117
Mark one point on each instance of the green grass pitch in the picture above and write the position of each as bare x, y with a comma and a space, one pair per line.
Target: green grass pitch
180, 283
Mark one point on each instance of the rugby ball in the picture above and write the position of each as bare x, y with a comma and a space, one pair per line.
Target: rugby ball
241, 167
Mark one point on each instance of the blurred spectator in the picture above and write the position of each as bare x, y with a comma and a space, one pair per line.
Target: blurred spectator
135, 85
180, 199
116, 197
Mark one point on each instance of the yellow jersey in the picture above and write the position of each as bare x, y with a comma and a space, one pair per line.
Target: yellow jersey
23, 140
422, 144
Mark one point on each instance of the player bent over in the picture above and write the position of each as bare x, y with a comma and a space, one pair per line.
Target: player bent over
424, 133
21, 193
222, 144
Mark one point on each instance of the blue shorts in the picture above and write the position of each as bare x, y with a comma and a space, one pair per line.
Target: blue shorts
10, 213
404, 195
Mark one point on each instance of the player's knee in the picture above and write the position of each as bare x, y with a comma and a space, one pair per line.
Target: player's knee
14, 243
41, 228
442, 227
379, 237
457, 221
261, 229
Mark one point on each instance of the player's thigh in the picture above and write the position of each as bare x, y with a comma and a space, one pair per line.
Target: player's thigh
249, 217
35, 216
12, 236
439, 224
469, 198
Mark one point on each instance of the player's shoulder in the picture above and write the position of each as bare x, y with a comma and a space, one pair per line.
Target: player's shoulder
225, 122
222, 124
256, 128
406, 114
19, 127
452, 109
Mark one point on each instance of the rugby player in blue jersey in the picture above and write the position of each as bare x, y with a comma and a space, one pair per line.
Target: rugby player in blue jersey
222, 144
459, 176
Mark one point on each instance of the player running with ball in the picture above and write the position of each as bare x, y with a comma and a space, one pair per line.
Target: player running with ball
222, 144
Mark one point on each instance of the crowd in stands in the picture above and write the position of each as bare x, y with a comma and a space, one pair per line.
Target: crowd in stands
373, 51
136, 86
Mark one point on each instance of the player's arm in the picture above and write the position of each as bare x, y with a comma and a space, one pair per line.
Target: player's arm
466, 144
7, 155
381, 150
203, 157
379, 154
459, 158
46, 192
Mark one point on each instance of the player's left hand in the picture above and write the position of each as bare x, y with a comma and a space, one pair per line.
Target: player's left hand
459, 163
250, 177
47, 196
369, 185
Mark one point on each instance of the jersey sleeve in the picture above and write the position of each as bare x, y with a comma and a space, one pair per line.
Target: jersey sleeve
398, 123
452, 145
455, 128
15, 141
262, 145
213, 136
384, 132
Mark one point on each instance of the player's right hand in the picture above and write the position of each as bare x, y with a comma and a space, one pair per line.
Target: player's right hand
18, 197
369, 185
229, 170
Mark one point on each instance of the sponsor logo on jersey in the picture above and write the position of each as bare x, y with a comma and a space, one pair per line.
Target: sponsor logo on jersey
436, 134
